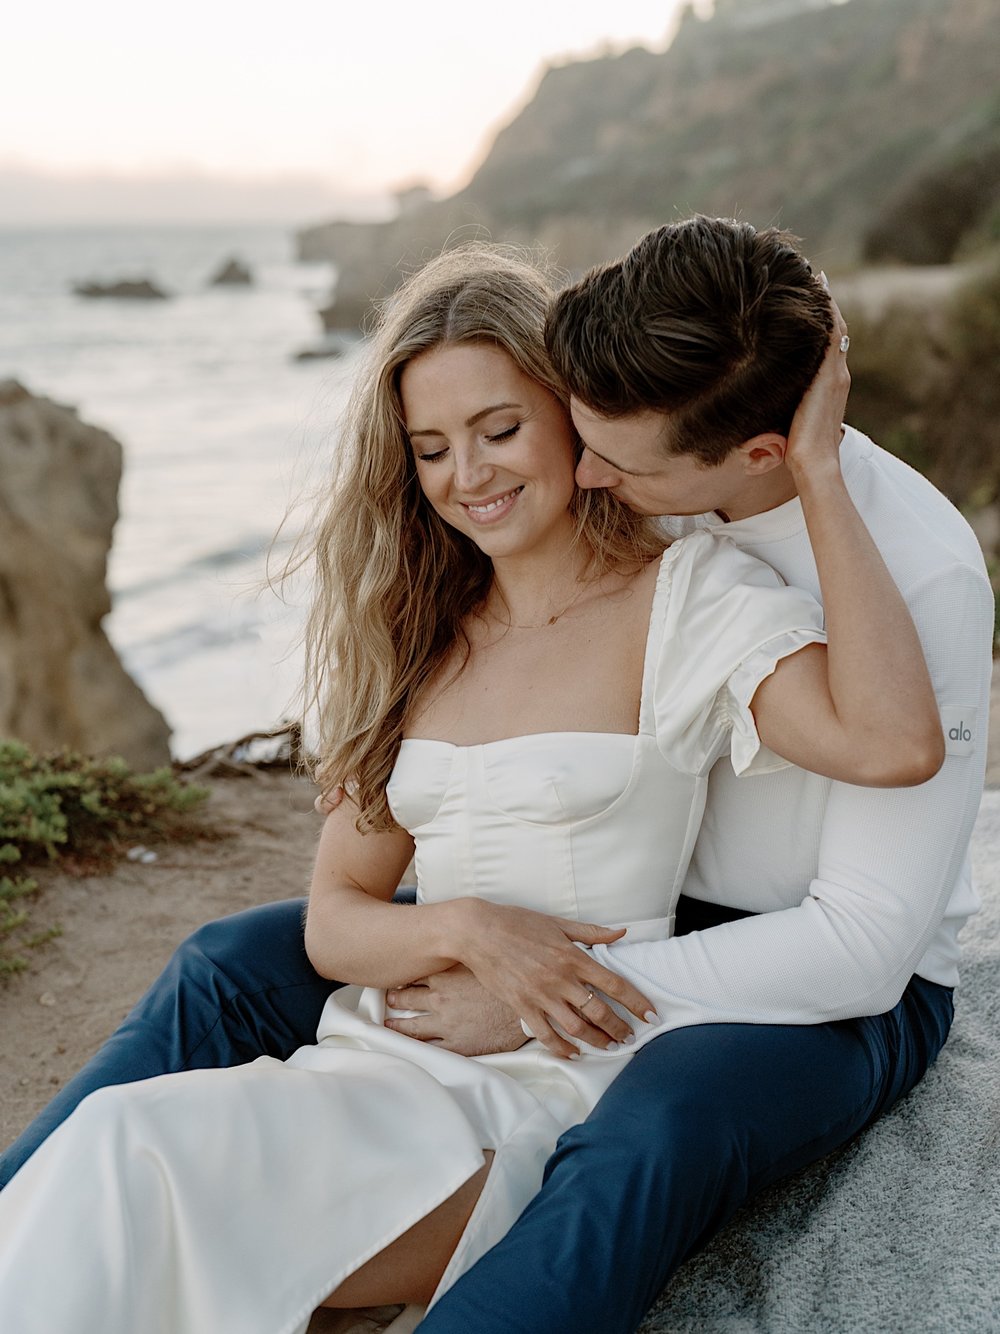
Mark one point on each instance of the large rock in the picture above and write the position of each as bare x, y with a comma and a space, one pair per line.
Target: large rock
61, 683
233, 273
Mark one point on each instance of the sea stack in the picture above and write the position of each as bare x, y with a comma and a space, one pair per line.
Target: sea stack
233, 273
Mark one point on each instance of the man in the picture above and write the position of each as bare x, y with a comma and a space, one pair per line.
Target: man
791, 1029
810, 982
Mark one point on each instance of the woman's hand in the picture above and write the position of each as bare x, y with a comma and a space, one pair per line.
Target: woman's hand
814, 436
528, 960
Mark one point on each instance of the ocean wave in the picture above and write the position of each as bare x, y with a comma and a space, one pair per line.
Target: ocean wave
245, 551
181, 643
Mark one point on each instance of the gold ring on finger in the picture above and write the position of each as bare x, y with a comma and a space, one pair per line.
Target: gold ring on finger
583, 1004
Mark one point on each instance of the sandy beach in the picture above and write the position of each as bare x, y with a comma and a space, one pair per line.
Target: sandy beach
119, 929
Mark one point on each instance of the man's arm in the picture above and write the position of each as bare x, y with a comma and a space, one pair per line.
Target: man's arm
888, 863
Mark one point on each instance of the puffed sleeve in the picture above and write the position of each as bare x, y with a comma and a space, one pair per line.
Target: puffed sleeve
725, 621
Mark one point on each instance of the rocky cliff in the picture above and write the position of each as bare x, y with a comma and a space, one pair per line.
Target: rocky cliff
832, 119
61, 683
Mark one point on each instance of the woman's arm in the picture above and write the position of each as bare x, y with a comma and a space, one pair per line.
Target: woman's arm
862, 710
354, 934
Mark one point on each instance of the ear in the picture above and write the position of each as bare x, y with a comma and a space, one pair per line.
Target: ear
762, 453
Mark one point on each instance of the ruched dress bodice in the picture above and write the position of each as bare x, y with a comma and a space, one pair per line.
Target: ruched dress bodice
527, 821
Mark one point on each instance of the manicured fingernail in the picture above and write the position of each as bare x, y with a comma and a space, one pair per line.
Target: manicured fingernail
651, 1017
629, 1040
574, 1056
390, 997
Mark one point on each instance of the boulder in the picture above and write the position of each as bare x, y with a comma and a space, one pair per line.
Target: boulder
61, 682
129, 289
234, 273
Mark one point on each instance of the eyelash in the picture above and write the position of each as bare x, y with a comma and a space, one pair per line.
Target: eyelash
500, 438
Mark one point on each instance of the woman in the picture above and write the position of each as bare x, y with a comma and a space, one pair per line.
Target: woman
529, 697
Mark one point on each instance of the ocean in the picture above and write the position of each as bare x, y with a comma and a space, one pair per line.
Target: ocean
224, 432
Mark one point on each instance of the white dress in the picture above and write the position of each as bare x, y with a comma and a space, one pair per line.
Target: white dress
236, 1200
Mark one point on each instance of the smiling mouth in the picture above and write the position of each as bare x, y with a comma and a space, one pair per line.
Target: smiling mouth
491, 509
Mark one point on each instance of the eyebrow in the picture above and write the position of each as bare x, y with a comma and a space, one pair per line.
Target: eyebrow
629, 472
471, 421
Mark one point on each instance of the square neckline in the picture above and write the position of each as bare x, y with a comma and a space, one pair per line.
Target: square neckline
657, 608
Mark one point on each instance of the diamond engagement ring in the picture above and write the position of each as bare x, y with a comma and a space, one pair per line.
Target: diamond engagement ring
583, 1004
845, 343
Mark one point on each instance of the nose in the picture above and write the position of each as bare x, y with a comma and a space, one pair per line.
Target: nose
593, 472
472, 468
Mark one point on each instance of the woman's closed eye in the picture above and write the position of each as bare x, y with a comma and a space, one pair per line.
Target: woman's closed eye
435, 455
501, 436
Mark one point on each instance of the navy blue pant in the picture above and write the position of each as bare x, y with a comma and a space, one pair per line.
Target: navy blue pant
700, 1120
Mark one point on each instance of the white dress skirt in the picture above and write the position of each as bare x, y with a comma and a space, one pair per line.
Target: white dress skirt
237, 1200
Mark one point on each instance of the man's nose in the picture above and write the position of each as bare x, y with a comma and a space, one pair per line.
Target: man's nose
592, 472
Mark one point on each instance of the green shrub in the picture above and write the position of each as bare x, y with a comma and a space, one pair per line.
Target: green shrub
924, 384
83, 810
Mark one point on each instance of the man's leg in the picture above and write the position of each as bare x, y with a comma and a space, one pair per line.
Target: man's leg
700, 1120
236, 989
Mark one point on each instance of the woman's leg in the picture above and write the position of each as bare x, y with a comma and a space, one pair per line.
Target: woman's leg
236, 989
410, 1269
238, 1199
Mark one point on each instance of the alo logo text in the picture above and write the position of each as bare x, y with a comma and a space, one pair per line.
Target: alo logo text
959, 722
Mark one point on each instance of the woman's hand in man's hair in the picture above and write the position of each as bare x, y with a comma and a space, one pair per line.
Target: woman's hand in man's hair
815, 432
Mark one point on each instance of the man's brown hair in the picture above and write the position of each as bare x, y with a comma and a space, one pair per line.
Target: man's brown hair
710, 320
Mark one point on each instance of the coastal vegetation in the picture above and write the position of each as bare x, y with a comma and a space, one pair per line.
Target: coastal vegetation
83, 813
924, 384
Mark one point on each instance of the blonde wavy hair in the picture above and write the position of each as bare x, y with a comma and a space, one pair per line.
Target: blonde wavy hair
394, 584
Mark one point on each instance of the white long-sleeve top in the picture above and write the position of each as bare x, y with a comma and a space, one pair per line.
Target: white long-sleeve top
856, 889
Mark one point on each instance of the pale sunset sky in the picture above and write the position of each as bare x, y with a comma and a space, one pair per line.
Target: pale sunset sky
338, 103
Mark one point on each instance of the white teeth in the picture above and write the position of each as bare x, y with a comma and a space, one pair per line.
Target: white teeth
494, 504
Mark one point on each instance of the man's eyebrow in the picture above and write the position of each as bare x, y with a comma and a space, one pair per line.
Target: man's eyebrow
630, 472
471, 421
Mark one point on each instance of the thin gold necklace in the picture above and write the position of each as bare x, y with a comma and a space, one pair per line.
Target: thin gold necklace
540, 625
